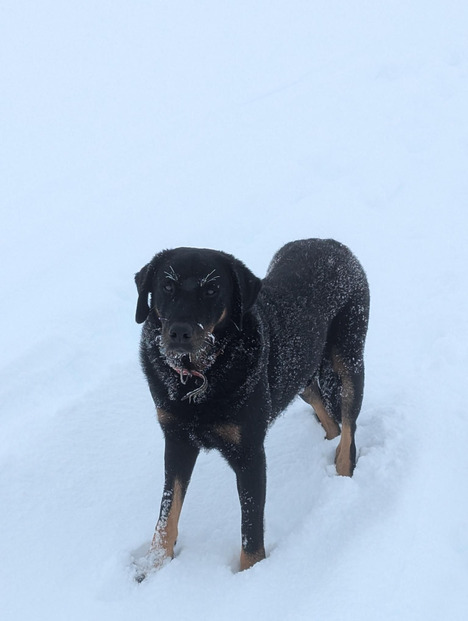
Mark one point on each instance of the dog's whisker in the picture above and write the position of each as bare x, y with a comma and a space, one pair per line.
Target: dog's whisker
208, 278
235, 325
171, 275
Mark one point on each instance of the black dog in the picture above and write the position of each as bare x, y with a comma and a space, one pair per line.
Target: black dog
224, 353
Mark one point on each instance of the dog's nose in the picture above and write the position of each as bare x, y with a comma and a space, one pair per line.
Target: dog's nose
181, 333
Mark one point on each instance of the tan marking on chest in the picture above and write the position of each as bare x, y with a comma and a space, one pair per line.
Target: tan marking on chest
164, 417
228, 432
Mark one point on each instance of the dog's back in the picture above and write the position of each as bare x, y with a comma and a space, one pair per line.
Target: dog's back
312, 292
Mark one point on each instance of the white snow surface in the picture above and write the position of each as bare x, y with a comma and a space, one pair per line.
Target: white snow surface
129, 127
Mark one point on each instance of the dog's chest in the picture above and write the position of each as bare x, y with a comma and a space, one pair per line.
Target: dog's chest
212, 434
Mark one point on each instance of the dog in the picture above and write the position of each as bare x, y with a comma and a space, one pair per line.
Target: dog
224, 353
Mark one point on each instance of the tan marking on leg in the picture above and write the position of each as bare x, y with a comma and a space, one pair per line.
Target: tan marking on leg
248, 560
229, 433
166, 532
347, 389
164, 417
332, 429
343, 462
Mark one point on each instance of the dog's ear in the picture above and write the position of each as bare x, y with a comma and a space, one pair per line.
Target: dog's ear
143, 281
245, 291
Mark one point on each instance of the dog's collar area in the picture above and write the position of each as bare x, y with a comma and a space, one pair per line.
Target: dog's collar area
184, 374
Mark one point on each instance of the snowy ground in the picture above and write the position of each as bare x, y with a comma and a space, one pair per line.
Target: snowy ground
128, 127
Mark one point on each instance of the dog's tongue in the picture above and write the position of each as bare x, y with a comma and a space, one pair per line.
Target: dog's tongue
184, 367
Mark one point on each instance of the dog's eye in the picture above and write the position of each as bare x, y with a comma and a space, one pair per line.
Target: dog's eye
168, 286
211, 291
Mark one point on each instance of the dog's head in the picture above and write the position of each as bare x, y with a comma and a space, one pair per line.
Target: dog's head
196, 295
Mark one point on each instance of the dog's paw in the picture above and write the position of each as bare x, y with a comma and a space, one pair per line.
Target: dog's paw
154, 560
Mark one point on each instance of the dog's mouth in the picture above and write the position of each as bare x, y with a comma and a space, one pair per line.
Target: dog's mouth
185, 366
199, 359
181, 362
190, 363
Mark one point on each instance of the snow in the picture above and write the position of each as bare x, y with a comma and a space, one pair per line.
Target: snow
132, 127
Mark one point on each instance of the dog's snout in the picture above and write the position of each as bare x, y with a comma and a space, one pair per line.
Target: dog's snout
180, 333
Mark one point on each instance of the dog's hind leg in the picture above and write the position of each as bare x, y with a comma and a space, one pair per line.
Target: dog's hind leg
346, 350
352, 384
312, 396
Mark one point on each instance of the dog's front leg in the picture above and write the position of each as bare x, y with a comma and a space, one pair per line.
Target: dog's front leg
250, 468
179, 460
